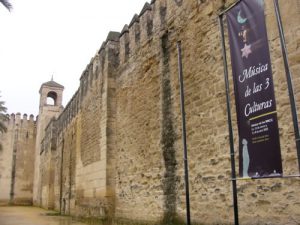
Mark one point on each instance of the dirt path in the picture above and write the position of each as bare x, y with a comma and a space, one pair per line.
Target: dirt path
32, 216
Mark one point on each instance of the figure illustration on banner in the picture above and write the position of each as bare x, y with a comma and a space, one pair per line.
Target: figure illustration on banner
246, 158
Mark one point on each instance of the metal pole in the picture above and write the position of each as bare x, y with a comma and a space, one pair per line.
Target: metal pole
233, 173
289, 80
61, 177
229, 7
186, 170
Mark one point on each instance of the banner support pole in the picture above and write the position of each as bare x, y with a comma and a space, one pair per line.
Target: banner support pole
186, 170
289, 79
229, 7
232, 157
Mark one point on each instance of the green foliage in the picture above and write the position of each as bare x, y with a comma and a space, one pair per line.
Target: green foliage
6, 4
3, 118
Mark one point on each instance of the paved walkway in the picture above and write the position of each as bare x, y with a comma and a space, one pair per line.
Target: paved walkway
32, 216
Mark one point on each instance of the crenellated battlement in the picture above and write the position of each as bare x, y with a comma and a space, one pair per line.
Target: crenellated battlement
140, 31
105, 61
151, 19
17, 118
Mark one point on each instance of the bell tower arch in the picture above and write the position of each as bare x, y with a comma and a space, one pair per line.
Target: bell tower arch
51, 94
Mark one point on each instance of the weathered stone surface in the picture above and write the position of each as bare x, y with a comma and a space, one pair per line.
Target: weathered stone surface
17, 160
118, 141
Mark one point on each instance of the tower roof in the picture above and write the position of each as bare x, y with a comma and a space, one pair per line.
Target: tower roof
52, 84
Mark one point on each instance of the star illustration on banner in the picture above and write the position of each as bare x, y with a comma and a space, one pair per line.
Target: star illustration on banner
246, 51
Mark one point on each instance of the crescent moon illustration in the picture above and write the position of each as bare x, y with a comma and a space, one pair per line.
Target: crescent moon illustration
240, 19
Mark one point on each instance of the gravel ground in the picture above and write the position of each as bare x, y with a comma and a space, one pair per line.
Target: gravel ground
12, 215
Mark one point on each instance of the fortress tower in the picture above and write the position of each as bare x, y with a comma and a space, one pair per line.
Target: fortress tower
16, 160
50, 107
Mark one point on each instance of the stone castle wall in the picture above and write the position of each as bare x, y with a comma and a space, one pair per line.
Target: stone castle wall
116, 150
17, 160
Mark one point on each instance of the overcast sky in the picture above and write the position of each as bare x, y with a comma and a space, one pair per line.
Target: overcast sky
41, 38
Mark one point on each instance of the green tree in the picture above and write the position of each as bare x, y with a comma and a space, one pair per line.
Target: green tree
3, 118
6, 4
